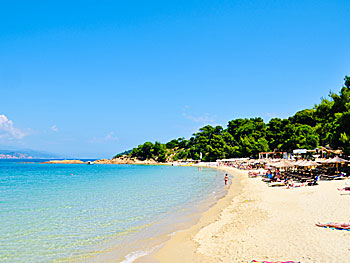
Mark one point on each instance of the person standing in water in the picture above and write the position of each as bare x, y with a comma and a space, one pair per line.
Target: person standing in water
226, 179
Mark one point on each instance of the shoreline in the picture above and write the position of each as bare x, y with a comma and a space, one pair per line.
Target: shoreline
143, 249
257, 222
181, 248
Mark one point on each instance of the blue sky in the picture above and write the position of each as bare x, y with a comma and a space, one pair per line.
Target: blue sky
94, 78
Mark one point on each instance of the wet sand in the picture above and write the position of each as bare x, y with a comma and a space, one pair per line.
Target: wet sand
254, 221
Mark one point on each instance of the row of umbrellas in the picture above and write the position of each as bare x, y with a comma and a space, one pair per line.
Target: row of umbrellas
304, 163
334, 160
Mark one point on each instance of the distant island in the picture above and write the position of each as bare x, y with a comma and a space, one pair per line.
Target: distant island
25, 154
326, 124
15, 155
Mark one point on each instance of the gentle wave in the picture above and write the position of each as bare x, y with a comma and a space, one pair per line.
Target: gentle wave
49, 215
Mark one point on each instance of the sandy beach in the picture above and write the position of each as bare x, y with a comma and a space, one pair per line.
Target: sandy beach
254, 221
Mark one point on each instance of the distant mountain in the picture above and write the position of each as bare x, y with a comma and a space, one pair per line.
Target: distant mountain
26, 154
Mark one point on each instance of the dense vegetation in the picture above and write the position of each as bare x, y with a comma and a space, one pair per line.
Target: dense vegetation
326, 124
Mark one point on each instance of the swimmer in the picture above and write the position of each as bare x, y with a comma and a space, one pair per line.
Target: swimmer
226, 179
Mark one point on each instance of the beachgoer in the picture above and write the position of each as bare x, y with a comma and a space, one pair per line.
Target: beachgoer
226, 179
345, 225
291, 184
346, 188
269, 174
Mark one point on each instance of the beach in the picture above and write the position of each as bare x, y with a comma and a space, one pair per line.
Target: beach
254, 221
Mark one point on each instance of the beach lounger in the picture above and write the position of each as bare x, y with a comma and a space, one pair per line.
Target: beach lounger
336, 228
273, 184
253, 174
314, 181
339, 177
266, 180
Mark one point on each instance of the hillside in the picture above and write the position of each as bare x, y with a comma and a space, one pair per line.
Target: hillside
326, 124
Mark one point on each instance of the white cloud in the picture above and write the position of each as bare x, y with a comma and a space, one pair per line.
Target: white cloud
108, 138
202, 119
54, 128
7, 130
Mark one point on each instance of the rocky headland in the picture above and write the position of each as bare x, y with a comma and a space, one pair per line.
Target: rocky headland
124, 159
64, 162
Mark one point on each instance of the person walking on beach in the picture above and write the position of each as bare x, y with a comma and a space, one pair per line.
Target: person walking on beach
226, 179
278, 174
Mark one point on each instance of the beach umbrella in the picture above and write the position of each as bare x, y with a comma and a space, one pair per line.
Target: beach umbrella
319, 160
337, 160
283, 164
300, 162
303, 163
313, 163
308, 163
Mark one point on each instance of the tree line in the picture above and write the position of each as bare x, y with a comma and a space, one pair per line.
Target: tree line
326, 124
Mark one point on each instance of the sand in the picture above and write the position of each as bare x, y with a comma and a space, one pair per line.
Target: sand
258, 222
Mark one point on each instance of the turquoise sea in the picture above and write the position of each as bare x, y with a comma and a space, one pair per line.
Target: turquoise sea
96, 213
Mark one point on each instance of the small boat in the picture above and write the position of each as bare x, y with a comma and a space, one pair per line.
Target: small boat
89, 163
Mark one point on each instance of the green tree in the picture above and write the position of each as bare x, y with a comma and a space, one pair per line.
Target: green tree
328, 123
276, 133
304, 117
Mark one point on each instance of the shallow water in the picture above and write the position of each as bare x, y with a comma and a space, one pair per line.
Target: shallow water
60, 213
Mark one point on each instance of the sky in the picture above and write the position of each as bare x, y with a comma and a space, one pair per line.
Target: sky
90, 79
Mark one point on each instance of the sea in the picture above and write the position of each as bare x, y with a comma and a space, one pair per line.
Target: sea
100, 212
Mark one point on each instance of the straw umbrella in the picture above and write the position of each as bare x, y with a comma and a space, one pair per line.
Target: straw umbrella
320, 160
337, 160
308, 164
284, 164
300, 162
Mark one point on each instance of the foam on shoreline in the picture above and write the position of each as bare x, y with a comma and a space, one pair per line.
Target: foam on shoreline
181, 248
141, 246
